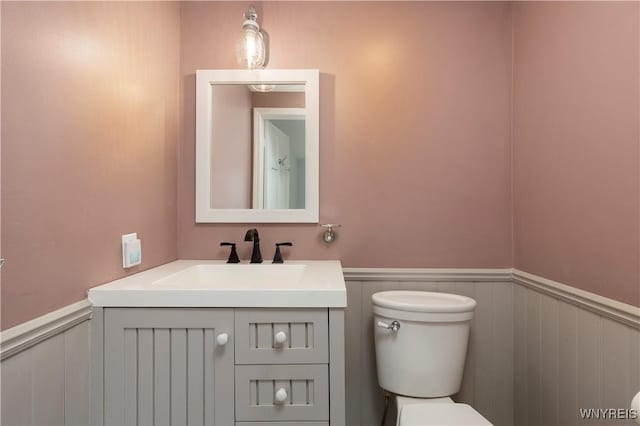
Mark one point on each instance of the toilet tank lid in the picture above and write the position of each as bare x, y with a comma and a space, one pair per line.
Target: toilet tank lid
423, 301
441, 414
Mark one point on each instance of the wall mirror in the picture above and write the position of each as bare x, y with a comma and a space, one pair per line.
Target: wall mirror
257, 153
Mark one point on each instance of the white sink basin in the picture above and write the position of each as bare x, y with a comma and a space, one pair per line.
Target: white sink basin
235, 276
213, 283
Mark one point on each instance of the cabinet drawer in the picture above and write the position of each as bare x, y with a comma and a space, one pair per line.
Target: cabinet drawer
304, 390
305, 332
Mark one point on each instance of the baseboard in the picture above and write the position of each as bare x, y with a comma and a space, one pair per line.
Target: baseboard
30, 333
618, 311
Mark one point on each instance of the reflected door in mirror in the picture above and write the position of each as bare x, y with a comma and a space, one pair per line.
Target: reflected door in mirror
280, 149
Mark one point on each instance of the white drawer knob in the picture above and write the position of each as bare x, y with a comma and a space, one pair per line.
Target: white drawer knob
280, 337
222, 339
281, 395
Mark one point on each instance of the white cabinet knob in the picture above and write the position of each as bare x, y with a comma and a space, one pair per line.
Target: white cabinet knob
281, 395
280, 337
222, 339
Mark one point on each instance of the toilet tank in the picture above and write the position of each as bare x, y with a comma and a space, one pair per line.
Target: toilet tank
425, 356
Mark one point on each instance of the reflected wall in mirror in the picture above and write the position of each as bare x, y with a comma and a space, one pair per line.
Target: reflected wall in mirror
257, 146
258, 142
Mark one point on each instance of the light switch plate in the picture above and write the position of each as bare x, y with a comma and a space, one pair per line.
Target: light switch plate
131, 250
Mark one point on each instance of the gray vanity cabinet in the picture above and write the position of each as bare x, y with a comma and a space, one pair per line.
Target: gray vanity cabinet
164, 367
218, 366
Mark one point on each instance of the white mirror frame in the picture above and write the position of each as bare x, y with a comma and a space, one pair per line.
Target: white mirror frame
205, 79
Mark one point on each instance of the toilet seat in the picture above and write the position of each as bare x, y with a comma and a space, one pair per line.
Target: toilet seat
440, 414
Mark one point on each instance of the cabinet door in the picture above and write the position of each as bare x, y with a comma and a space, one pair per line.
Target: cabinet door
165, 367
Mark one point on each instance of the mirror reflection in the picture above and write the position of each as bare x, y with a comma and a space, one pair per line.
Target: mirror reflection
258, 146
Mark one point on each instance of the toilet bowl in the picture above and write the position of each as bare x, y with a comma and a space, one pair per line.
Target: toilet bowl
421, 344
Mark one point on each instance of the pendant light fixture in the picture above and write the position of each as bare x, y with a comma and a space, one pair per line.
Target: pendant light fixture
250, 48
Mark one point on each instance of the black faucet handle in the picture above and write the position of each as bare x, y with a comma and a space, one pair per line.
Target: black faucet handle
233, 256
277, 257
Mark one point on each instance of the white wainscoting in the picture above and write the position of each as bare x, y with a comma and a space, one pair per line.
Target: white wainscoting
573, 350
47, 383
488, 377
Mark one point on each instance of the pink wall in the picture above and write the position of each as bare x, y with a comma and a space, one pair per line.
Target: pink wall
278, 100
415, 128
576, 144
89, 134
416, 125
231, 155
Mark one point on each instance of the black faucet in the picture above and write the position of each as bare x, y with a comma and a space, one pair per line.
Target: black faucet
252, 235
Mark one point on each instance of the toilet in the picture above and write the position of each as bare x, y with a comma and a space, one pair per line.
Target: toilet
421, 345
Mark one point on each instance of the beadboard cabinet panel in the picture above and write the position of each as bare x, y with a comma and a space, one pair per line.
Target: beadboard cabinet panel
306, 331
306, 387
194, 372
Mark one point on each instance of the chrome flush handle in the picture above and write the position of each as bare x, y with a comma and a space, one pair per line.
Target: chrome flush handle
394, 326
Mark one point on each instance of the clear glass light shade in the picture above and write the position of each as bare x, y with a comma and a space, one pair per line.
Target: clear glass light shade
262, 87
250, 48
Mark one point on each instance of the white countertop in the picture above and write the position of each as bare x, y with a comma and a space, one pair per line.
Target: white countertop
214, 283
